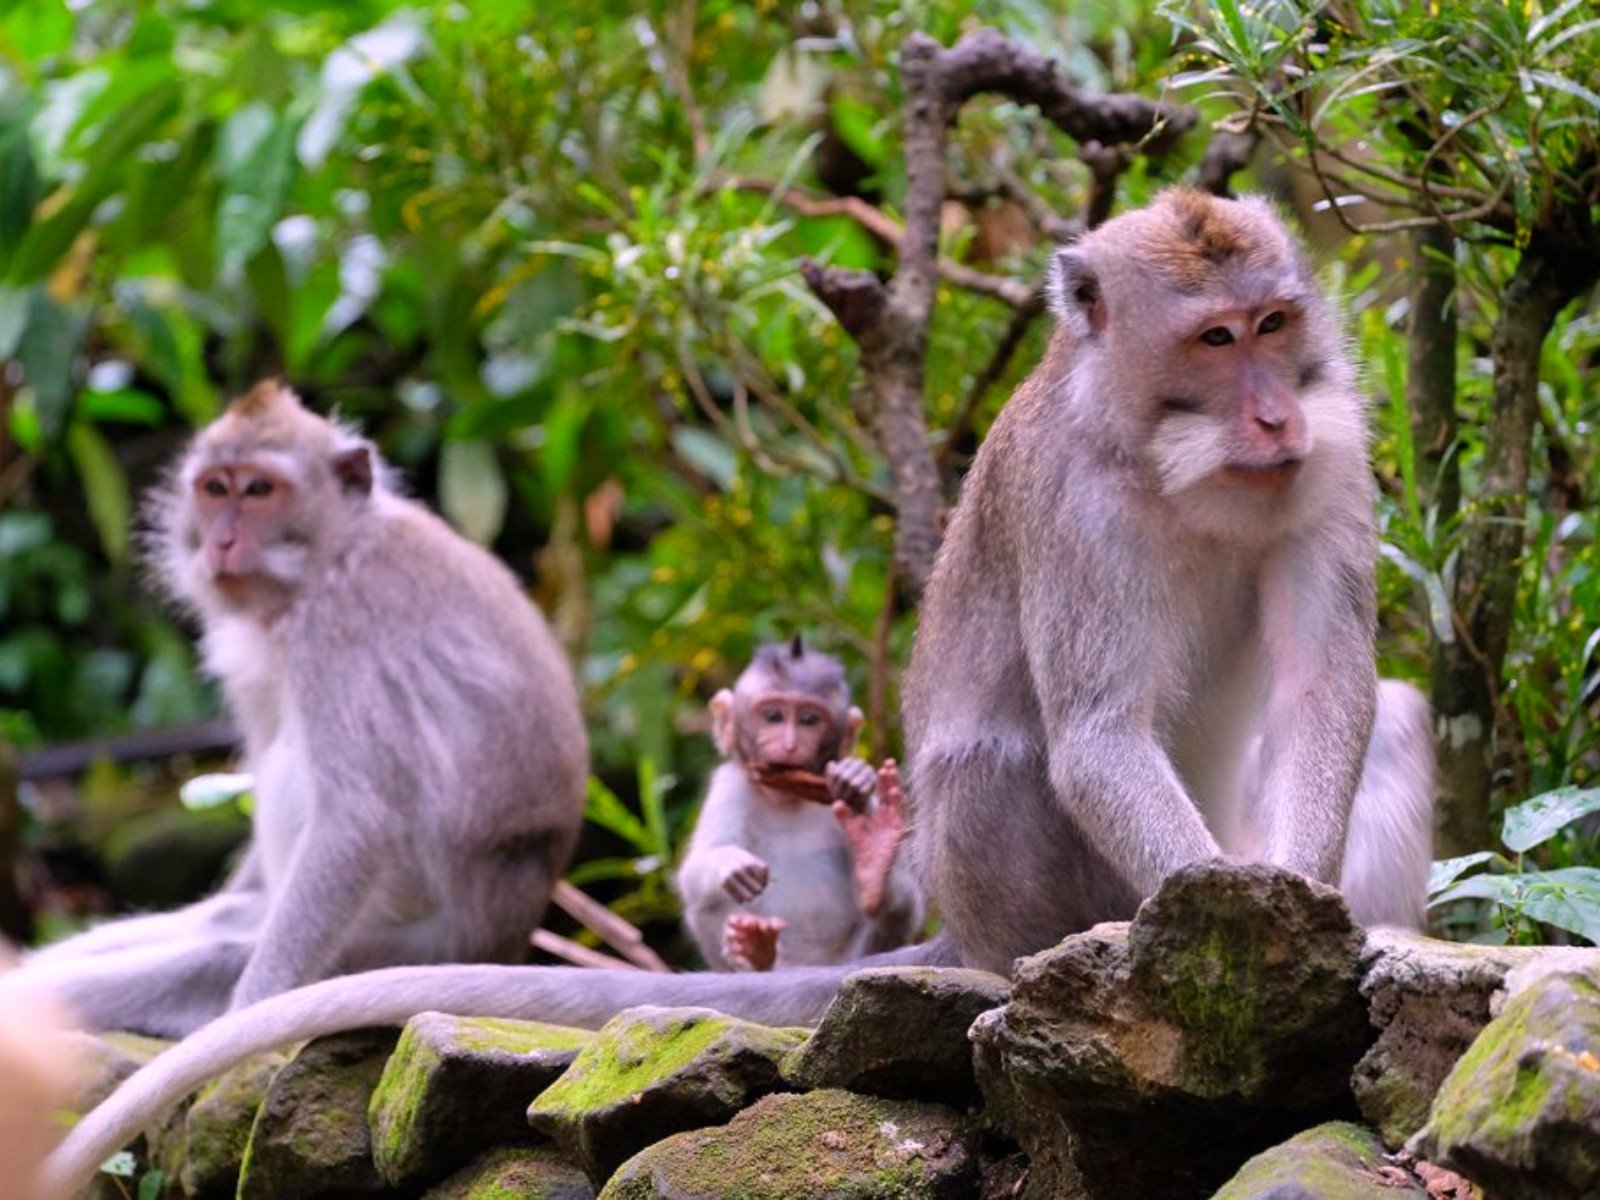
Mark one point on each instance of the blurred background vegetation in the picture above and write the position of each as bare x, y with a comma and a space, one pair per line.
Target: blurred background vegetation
547, 256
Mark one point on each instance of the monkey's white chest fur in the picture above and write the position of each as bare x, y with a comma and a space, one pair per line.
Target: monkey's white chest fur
248, 658
812, 886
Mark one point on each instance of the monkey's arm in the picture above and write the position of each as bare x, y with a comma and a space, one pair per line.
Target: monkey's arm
1318, 610
718, 874
1091, 666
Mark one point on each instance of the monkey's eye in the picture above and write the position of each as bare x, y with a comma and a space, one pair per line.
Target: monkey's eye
258, 487
809, 719
215, 487
1270, 323
772, 716
1217, 335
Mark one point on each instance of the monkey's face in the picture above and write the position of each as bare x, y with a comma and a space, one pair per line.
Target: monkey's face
788, 729
1226, 406
244, 520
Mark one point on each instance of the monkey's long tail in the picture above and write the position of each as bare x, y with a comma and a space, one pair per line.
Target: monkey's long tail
561, 995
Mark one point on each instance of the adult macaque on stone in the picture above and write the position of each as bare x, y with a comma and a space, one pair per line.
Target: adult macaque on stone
1148, 640
411, 723
793, 860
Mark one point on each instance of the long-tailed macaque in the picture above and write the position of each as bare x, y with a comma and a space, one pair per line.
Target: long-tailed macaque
418, 752
773, 878
1148, 640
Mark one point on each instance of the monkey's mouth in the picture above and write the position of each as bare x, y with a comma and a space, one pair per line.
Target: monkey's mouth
1269, 473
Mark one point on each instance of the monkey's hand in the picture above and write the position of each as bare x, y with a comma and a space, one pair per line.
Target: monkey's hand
750, 943
875, 836
851, 781
742, 875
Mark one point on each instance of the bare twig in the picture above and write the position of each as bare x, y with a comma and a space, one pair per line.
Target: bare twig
1021, 321
890, 324
566, 948
1229, 153
889, 232
621, 935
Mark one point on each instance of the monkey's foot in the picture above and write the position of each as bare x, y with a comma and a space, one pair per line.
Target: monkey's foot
750, 943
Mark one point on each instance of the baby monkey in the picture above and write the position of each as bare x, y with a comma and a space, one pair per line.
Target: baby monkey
793, 860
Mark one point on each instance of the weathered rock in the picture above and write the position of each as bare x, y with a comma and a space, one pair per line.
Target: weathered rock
827, 1145
457, 1086
520, 1172
1226, 1016
899, 1032
310, 1137
651, 1072
1336, 1161
1429, 1000
100, 1062
202, 1149
1520, 1113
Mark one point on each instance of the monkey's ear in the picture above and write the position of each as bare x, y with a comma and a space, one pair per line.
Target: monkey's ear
853, 721
722, 722
1073, 290
353, 469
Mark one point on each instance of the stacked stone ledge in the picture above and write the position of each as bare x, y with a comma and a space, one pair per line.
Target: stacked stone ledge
1238, 1039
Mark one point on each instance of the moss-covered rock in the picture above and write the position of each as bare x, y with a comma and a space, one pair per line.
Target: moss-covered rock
456, 1086
651, 1072
826, 1145
516, 1173
1226, 1016
1428, 1000
899, 1032
310, 1137
1520, 1112
1335, 1161
201, 1149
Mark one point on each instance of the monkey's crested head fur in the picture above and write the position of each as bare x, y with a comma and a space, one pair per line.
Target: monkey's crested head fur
794, 666
1189, 240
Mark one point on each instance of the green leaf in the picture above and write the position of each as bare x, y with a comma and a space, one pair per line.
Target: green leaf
708, 454
608, 811
104, 487
213, 791
472, 490
1568, 899
1537, 820
255, 158
36, 30
15, 305
48, 356
19, 186
1445, 872
129, 125
150, 1186
121, 1164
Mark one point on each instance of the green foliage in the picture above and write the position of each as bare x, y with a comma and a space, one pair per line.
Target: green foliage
1519, 900
1483, 111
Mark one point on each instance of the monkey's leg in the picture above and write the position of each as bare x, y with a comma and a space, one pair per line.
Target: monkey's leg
1010, 869
226, 914
322, 905
1390, 845
164, 989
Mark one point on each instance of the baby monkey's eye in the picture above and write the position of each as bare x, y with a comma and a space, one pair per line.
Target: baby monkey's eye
1218, 335
772, 716
1271, 323
215, 487
810, 718
258, 487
